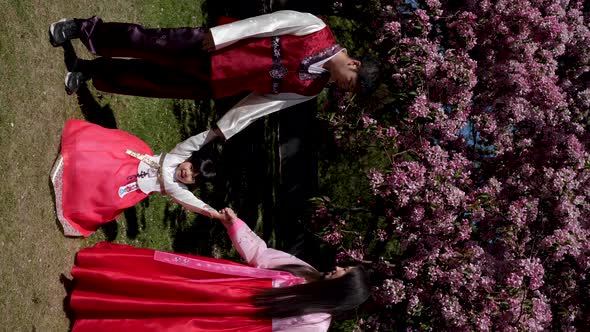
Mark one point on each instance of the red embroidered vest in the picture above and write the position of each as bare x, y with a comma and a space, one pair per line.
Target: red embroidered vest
271, 65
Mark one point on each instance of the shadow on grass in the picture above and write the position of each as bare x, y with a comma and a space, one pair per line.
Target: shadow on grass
133, 219
69, 285
110, 230
94, 112
132, 222
236, 9
193, 117
194, 235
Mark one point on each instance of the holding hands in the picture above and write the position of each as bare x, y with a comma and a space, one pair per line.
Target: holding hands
227, 216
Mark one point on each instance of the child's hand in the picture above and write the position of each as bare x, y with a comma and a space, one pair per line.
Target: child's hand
213, 214
229, 213
228, 217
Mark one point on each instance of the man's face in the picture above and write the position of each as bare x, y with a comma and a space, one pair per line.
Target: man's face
346, 76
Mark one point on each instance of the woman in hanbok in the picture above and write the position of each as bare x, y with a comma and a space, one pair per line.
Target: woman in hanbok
101, 172
123, 288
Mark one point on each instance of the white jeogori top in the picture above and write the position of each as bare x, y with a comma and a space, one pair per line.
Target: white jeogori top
173, 188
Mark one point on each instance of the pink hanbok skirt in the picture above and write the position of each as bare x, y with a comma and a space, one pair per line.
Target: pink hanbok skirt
123, 288
94, 179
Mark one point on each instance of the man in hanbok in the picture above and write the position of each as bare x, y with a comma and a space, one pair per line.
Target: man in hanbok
283, 59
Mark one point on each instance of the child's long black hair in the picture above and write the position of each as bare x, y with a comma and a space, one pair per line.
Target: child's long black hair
202, 161
332, 296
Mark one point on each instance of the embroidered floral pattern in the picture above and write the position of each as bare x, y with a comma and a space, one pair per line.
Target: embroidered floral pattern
57, 180
304, 73
149, 173
276, 47
278, 70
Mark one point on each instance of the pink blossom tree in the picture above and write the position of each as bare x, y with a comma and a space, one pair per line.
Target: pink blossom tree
477, 213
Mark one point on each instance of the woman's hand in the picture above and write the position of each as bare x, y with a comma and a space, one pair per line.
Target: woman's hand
228, 217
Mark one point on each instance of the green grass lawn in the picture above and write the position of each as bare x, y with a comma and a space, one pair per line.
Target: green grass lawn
33, 110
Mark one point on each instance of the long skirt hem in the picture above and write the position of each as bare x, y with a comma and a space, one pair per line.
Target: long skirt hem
57, 171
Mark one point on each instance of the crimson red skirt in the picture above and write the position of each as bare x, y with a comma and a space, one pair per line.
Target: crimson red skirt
122, 288
93, 178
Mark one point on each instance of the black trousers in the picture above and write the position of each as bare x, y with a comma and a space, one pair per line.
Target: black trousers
162, 63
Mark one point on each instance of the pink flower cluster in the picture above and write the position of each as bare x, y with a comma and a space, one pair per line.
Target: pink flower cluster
476, 209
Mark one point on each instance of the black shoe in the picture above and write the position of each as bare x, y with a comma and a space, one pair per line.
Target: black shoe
74, 80
62, 31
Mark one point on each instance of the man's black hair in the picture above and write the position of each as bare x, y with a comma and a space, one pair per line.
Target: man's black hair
368, 75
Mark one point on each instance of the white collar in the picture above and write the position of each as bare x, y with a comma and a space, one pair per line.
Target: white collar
316, 68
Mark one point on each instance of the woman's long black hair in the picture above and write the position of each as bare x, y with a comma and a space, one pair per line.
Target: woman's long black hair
332, 296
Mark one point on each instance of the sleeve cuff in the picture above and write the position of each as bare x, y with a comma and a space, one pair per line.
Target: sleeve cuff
235, 227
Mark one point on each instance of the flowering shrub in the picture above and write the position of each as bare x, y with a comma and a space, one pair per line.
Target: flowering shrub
477, 216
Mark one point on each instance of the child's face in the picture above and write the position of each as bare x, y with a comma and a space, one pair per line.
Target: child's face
345, 76
185, 174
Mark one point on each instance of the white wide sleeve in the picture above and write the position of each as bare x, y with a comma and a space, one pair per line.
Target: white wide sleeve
253, 107
254, 250
187, 199
319, 322
194, 143
283, 22
179, 192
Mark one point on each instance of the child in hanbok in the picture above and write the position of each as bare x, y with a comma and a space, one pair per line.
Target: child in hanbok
101, 172
123, 288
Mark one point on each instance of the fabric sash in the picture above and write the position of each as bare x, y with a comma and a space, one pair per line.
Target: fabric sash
278, 70
160, 176
143, 158
153, 165
235, 270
